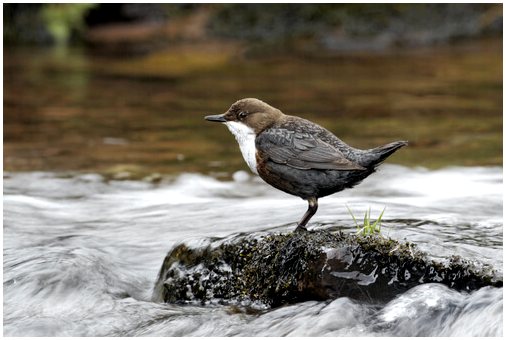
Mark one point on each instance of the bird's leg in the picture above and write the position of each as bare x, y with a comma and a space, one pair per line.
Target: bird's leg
311, 210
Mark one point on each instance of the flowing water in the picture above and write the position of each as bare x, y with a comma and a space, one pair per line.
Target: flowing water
82, 253
82, 248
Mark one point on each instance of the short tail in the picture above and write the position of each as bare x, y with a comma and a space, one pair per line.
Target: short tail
374, 157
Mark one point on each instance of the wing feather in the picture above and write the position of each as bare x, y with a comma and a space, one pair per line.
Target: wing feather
302, 151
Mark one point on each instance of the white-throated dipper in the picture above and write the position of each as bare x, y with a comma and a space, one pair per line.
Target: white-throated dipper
297, 156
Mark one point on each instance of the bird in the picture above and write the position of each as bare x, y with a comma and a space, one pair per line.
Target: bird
297, 156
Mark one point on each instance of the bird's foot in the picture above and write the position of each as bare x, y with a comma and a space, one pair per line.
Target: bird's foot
300, 229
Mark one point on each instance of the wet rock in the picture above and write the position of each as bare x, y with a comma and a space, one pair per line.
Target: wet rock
277, 269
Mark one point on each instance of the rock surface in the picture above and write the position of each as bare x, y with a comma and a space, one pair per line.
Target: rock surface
278, 269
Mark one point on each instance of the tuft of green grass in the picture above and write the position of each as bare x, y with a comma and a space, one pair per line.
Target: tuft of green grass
368, 227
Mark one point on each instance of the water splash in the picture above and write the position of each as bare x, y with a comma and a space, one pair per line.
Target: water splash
81, 253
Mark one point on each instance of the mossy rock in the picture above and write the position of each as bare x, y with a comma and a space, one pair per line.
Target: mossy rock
278, 269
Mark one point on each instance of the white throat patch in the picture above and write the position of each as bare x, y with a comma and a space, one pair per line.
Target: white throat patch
246, 138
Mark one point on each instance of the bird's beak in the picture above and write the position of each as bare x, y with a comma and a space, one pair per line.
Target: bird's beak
216, 118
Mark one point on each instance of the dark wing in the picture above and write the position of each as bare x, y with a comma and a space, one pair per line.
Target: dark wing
302, 151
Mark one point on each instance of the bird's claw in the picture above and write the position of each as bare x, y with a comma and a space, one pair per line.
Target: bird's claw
300, 229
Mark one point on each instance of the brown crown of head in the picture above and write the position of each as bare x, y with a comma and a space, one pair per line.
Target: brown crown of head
254, 113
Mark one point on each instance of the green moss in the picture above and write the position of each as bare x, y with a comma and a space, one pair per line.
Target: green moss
63, 19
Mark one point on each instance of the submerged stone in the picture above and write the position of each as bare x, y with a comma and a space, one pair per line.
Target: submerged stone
277, 269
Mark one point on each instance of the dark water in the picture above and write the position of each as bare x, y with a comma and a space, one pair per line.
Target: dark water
135, 115
82, 248
81, 254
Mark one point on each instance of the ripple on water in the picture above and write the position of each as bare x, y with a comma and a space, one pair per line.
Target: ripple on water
81, 253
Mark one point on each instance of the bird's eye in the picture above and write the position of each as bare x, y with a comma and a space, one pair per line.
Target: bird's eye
242, 114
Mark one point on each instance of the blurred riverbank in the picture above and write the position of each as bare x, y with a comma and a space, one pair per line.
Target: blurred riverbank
279, 27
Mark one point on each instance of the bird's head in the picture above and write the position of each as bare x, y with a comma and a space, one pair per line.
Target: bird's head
249, 112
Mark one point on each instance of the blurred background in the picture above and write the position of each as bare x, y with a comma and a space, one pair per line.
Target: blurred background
122, 89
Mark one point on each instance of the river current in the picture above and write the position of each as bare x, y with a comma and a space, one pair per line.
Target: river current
82, 253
